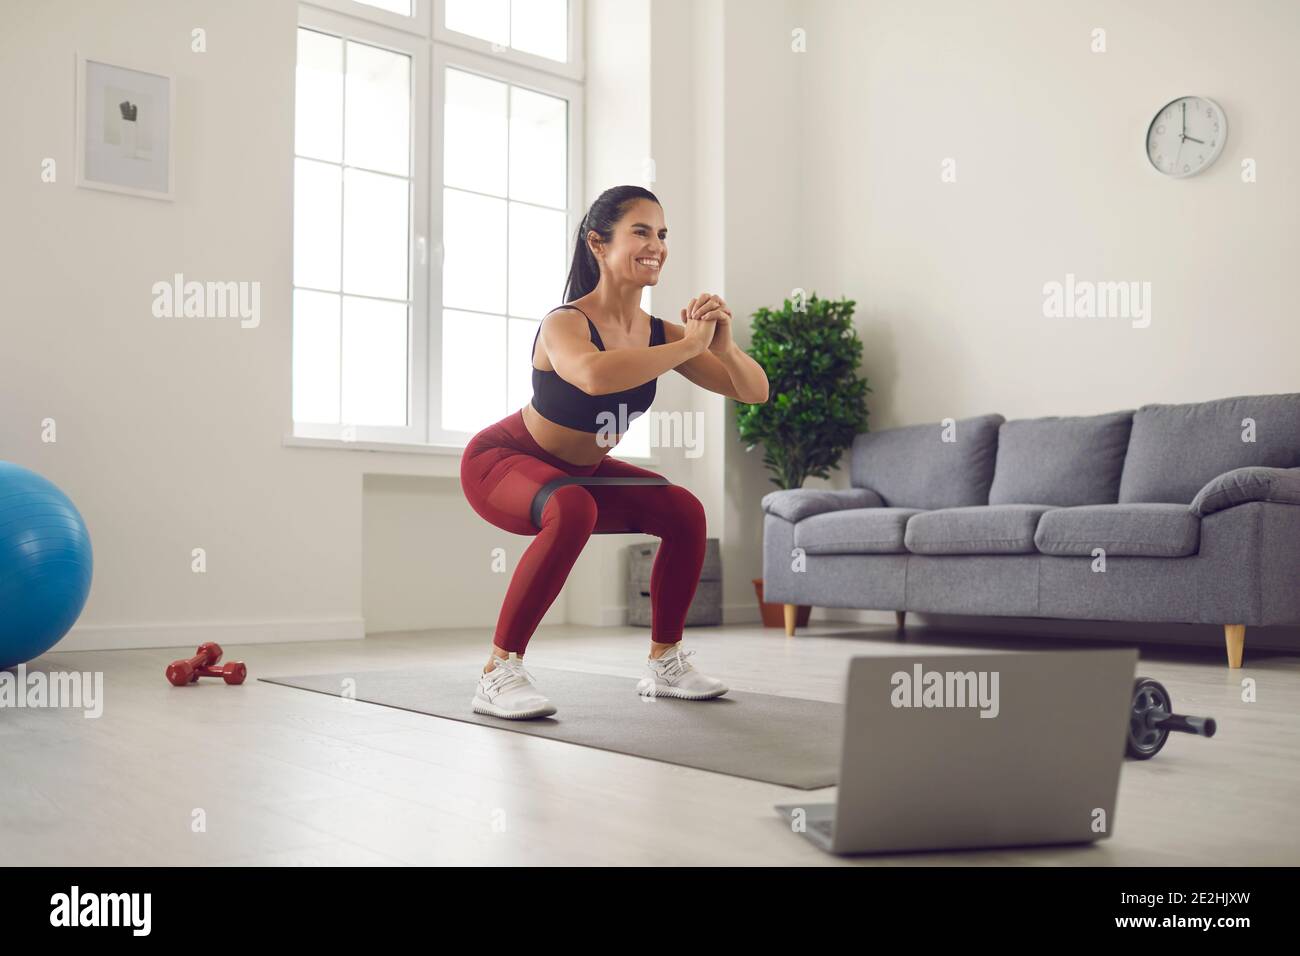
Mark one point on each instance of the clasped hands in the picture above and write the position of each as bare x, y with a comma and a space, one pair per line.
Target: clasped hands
708, 319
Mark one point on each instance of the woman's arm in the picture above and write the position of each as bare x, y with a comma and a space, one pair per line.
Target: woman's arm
722, 368
580, 363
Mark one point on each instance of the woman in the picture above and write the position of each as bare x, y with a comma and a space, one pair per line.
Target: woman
596, 360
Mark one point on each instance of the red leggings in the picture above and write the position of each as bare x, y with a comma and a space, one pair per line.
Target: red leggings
502, 470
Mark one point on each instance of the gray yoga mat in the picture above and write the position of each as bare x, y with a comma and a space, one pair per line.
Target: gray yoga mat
788, 741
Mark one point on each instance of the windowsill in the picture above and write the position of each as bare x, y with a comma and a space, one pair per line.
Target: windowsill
404, 448
401, 448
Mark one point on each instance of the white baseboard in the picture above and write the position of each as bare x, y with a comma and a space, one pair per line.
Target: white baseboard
115, 637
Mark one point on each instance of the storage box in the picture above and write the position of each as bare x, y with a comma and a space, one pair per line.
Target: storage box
706, 606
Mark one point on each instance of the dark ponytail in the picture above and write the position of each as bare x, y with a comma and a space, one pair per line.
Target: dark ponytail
601, 218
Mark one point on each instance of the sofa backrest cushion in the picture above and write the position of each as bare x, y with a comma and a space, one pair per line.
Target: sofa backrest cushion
1061, 461
1174, 450
929, 466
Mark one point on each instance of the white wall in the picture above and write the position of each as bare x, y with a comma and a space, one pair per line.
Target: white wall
766, 162
430, 561
168, 429
1052, 179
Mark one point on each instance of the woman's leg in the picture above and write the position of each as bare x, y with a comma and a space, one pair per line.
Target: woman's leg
567, 523
500, 484
675, 516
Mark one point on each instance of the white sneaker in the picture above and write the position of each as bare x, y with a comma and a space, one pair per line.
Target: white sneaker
673, 676
508, 691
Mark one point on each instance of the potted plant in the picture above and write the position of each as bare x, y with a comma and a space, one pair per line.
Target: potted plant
816, 402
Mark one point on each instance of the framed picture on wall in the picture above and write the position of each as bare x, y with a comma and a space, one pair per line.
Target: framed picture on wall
124, 129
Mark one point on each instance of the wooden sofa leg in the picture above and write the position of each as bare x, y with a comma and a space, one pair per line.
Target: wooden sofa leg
1235, 635
899, 618
791, 614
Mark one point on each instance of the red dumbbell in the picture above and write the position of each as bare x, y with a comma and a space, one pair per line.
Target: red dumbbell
184, 672
232, 672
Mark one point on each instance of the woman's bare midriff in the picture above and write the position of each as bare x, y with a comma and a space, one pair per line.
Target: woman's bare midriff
570, 444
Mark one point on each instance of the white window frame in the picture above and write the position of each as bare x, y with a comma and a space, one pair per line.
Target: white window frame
573, 68
502, 69
432, 49
362, 31
418, 23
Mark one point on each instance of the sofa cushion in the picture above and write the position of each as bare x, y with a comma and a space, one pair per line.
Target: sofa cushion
1138, 530
1061, 461
1236, 487
1175, 449
984, 529
859, 531
795, 504
915, 467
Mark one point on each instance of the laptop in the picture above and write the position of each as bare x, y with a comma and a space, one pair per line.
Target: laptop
948, 752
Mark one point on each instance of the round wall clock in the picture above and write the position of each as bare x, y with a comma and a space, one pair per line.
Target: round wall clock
1186, 136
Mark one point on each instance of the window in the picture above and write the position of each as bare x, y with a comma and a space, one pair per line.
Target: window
543, 34
506, 236
354, 186
413, 16
530, 26
434, 210
400, 7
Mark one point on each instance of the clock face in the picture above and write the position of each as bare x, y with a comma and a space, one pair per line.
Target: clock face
1186, 136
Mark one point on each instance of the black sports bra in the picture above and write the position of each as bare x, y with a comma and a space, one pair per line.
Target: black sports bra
566, 404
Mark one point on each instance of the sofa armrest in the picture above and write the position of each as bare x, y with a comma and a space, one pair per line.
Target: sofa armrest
795, 504
1281, 485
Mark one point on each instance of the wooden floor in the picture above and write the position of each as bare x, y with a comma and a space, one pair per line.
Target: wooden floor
288, 777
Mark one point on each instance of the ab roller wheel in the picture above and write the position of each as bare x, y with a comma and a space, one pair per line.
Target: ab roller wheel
1151, 719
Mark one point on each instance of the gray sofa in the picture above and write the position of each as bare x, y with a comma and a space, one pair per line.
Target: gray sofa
1172, 513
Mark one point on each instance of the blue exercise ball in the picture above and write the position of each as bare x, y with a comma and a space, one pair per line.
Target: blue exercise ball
45, 564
